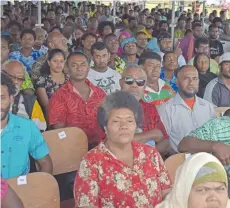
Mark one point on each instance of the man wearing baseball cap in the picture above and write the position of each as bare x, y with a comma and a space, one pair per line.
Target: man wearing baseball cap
129, 46
218, 90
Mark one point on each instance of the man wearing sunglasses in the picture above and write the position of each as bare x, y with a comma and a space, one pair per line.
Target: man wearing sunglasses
153, 131
23, 105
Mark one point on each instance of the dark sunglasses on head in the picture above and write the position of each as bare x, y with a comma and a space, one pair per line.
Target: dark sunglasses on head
130, 81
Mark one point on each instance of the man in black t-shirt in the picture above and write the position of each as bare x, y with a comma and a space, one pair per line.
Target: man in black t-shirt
216, 47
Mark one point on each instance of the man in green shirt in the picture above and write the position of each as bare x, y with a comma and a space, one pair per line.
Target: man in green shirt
213, 137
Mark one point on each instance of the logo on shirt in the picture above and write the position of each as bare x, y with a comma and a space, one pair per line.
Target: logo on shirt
147, 98
106, 83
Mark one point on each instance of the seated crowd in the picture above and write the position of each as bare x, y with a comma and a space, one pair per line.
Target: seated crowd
138, 97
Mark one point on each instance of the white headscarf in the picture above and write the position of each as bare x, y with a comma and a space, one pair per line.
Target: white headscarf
185, 176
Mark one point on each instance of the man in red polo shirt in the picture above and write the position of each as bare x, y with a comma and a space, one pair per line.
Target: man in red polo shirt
76, 103
153, 131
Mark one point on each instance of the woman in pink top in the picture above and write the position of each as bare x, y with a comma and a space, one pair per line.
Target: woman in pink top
9, 199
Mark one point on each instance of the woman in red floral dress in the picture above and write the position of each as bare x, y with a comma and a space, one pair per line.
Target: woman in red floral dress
120, 172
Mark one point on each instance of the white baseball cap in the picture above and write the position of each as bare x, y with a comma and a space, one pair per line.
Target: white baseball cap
224, 57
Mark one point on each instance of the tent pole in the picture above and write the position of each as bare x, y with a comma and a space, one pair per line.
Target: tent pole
173, 21
39, 13
114, 12
203, 13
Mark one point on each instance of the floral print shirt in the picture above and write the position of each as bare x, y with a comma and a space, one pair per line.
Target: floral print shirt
119, 65
26, 60
50, 85
104, 181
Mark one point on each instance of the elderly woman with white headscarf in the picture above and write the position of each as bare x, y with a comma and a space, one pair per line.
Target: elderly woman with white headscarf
201, 182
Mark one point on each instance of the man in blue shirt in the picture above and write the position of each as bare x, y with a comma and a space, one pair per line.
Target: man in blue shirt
19, 137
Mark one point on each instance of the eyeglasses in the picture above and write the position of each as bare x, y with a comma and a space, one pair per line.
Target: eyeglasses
12, 76
130, 81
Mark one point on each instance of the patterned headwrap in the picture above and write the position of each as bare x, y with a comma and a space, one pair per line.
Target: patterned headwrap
127, 40
210, 172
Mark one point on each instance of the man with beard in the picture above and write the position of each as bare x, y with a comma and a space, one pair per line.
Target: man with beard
216, 47
218, 90
20, 138
185, 112
101, 75
165, 44
149, 27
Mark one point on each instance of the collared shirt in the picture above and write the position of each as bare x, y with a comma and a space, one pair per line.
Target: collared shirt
140, 186
158, 98
20, 138
109, 81
217, 93
215, 130
179, 120
172, 82
67, 107
127, 63
214, 68
151, 119
26, 60
181, 60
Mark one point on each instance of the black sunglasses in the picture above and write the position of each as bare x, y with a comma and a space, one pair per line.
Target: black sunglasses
130, 81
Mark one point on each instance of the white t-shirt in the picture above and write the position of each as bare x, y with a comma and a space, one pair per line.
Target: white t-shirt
181, 60
108, 81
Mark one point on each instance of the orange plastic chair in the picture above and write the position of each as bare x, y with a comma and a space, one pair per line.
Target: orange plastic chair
40, 191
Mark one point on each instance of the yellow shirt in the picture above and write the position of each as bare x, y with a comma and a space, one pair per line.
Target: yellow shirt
149, 36
179, 33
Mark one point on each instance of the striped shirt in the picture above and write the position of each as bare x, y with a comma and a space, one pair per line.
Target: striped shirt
158, 98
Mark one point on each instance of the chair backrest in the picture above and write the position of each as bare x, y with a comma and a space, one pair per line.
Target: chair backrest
220, 111
40, 191
173, 162
67, 147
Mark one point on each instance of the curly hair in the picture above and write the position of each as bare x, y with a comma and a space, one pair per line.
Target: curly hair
103, 24
6, 81
119, 100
